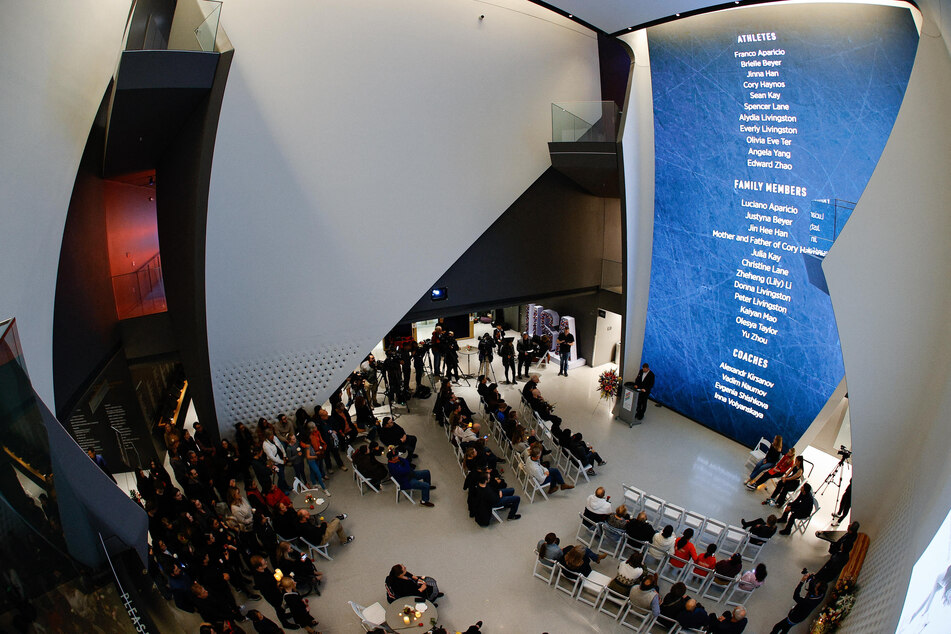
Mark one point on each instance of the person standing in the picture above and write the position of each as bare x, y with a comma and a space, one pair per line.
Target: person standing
101, 463
452, 356
438, 346
525, 348
372, 375
507, 352
643, 384
565, 341
815, 593
485, 354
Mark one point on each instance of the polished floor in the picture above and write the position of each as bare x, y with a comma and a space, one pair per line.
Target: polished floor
486, 573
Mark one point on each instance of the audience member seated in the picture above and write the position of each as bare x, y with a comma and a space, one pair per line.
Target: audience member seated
769, 460
639, 529
619, 519
706, 561
684, 549
297, 605
365, 461
597, 507
577, 560
552, 477
409, 478
798, 509
693, 616
400, 583
317, 533
729, 622
585, 453
645, 596
392, 435
760, 530
788, 483
484, 498
729, 567
628, 574
752, 579
275, 496
548, 548
284, 520
675, 601
662, 543
290, 561
781, 467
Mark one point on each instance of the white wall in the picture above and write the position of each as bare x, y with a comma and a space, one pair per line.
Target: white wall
53, 74
637, 149
888, 278
362, 147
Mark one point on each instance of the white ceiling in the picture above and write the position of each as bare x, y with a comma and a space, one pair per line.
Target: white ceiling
615, 15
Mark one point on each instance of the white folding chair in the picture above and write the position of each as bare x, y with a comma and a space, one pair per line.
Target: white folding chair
374, 615
567, 582
800, 526
693, 520
612, 604
636, 619
712, 533
633, 498
654, 507
323, 549
362, 481
733, 540
630, 547
718, 588
752, 548
574, 469
588, 530
665, 624
592, 588
674, 573
758, 452
697, 583
400, 490
673, 515
495, 513
612, 540
544, 569
738, 596
300, 487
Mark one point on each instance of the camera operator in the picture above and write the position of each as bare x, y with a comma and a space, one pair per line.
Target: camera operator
439, 346
419, 361
815, 594
394, 375
499, 335
370, 370
452, 356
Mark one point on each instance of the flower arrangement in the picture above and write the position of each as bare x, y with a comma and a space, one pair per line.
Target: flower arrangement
840, 603
609, 384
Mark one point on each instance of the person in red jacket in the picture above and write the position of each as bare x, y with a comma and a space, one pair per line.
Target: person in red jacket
684, 549
275, 495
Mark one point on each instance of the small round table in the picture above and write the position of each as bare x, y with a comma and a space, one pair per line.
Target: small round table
312, 502
394, 615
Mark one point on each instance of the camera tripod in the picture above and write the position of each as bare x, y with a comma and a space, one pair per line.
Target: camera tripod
834, 477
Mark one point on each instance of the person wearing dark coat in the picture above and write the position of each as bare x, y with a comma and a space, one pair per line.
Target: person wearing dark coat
798, 509
815, 595
297, 605
267, 586
484, 498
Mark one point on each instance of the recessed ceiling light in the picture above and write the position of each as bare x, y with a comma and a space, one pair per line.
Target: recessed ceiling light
570, 16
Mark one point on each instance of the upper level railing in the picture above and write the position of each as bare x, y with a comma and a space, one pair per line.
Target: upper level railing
141, 292
584, 121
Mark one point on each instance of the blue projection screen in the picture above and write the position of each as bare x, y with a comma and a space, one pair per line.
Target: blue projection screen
768, 123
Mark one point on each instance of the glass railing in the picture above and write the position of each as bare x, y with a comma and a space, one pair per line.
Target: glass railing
584, 121
612, 276
207, 32
141, 292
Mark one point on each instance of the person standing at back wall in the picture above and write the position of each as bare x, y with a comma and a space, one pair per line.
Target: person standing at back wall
565, 341
643, 384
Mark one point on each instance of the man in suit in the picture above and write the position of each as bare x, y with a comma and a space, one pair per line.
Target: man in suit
643, 384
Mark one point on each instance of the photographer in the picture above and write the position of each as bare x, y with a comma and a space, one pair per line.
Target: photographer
370, 371
452, 357
815, 594
419, 351
525, 349
507, 352
438, 346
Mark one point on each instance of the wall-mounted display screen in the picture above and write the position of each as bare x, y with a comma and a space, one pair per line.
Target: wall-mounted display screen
768, 123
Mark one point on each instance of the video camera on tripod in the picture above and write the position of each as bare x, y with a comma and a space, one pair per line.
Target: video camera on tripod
845, 453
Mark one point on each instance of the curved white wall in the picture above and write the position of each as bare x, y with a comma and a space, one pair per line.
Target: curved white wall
362, 147
888, 276
56, 59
